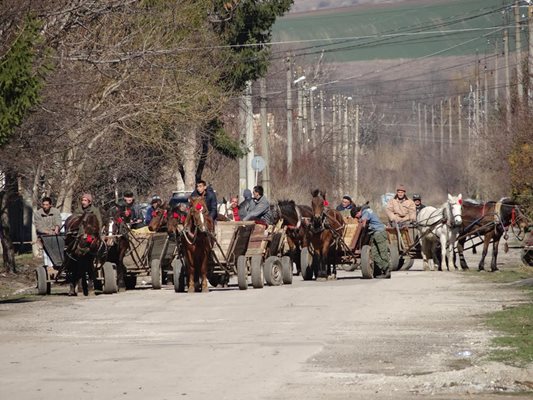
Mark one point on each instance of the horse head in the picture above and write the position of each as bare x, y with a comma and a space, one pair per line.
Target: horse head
454, 209
318, 204
159, 219
176, 218
511, 214
198, 215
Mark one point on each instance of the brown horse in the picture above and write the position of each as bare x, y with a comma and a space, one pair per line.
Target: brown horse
168, 218
82, 242
490, 220
326, 226
296, 219
197, 240
119, 245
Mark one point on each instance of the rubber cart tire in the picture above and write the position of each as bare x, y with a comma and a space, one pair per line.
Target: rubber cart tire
256, 266
242, 272
43, 285
155, 273
286, 270
273, 271
367, 265
110, 278
306, 264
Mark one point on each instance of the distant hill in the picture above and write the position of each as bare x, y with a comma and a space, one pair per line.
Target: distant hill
401, 16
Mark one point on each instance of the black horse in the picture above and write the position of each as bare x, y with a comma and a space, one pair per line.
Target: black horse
82, 243
296, 218
491, 220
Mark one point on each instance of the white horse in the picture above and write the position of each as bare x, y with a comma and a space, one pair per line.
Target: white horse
440, 225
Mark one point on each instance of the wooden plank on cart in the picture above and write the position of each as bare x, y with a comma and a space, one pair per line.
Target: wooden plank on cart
351, 232
255, 245
226, 233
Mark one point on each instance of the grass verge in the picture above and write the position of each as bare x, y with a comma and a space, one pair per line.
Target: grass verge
514, 345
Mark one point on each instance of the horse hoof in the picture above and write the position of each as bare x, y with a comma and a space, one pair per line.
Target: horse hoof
495, 269
205, 290
332, 277
191, 289
481, 270
72, 294
321, 279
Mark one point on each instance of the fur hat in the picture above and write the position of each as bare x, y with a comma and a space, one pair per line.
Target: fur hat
87, 196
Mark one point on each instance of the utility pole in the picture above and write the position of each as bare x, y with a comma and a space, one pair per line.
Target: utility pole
242, 161
485, 100
518, 44
441, 130
264, 138
470, 117
459, 120
433, 138
450, 123
345, 144
334, 140
425, 123
356, 157
250, 173
322, 126
300, 115
289, 116
305, 119
312, 115
419, 124
496, 74
507, 77
530, 54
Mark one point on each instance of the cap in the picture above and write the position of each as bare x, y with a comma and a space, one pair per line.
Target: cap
155, 198
347, 197
416, 196
401, 187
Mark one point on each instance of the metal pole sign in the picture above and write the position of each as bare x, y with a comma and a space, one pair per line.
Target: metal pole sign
258, 164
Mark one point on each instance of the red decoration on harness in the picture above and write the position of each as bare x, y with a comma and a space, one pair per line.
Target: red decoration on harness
175, 215
326, 203
119, 220
183, 219
165, 214
154, 214
89, 239
460, 202
513, 216
127, 213
199, 207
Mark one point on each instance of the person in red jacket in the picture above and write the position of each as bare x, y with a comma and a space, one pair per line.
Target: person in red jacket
234, 207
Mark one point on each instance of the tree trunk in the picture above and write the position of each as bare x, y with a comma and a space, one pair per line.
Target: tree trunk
189, 161
203, 156
8, 250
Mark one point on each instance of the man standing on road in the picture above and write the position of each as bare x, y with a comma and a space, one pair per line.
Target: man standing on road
378, 240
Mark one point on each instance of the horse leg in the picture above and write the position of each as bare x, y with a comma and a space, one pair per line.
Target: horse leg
426, 254
493, 263
205, 287
451, 244
460, 249
444, 251
190, 270
486, 241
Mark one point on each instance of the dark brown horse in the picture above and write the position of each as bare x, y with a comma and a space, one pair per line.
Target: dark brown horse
326, 226
82, 242
168, 218
491, 220
197, 240
296, 219
119, 244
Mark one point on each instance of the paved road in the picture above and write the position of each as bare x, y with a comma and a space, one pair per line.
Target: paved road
349, 338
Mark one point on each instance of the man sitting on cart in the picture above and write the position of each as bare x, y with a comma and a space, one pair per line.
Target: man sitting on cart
47, 221
260, 211
417, 199
346, 206
401, 210
202, 190
155, 204
132, 211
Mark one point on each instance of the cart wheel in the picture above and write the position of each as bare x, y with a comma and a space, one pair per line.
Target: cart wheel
155, 273
130, 281
306, 263
179, 276
367, 265
43, 285
242, 272
258, 279
110, 278
286, 270
273, 271
406, 263
395, 261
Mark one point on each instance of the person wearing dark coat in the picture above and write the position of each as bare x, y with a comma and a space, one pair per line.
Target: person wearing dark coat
418, 202
247, 204
202, 190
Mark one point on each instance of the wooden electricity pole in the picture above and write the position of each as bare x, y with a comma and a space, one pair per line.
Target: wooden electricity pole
322, 126
518, 44
312, 119
507, 77
496, 74
356, 158
441, 130
459, 121
265, 149
250, 173
289, 116
334, 140
485, 100
419, 124
425, 123
450, 122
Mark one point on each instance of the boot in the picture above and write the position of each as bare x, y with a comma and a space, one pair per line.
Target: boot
385, 275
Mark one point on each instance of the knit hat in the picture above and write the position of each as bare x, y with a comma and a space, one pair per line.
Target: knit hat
401, 187
87, 196
247, 194
416, 196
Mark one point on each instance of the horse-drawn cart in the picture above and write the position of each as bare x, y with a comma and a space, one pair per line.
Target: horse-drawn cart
404, 246
105, 278
242, 249
350, 250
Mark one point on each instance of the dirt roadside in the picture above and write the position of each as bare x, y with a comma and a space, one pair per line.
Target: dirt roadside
420, 335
